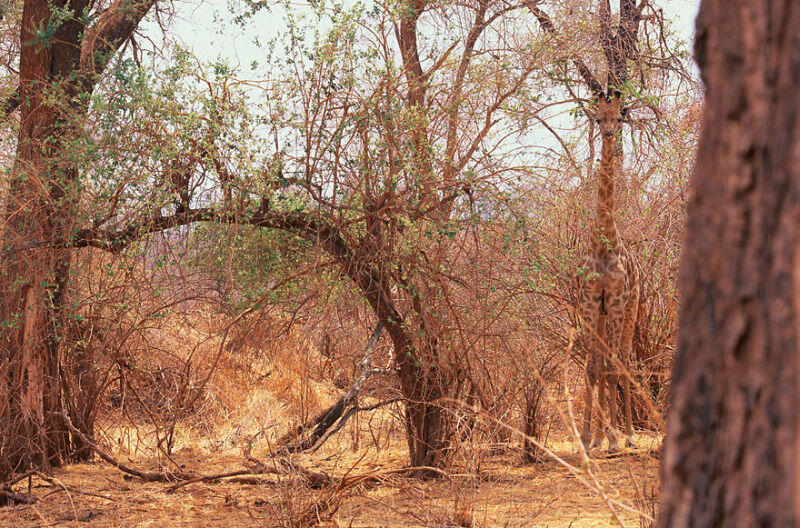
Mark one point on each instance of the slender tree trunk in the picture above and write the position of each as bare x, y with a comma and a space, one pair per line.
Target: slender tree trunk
731, 455
533, 403
79, 384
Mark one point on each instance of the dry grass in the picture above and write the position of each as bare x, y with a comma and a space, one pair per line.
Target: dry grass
505, 495
254, 398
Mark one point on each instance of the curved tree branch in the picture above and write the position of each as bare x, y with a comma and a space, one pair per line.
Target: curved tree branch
114, 26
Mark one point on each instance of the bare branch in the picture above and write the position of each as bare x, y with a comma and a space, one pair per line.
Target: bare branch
326, 419
547, 24
114, 26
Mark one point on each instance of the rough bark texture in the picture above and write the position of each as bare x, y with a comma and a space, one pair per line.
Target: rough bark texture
60, 61
731, 456
38, 209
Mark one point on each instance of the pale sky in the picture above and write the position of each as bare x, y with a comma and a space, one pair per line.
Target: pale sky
206, 27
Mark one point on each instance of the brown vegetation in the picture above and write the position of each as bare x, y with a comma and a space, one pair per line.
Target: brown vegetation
339, 288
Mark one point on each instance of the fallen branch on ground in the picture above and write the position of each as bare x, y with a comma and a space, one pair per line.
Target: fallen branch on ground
9, 497
72, 489
324, 425
147, 476
314, 479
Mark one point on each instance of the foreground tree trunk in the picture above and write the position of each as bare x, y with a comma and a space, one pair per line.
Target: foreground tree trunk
33, 282
731, 456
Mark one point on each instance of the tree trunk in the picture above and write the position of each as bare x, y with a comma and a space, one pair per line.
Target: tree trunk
533, 403
60, 61
731, 454
427, 427
38, 209
79, 384
427, 430
421, 376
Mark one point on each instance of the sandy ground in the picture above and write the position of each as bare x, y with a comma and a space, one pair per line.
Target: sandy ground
505, 494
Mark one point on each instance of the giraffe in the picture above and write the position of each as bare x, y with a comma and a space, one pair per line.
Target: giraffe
609, 289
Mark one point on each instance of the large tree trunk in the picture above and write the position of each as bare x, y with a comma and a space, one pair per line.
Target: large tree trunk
39, 208
731, 456
60, 61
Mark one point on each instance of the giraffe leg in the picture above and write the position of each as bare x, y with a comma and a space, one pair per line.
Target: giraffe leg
626, 394
587, 413
626, 349
613, 434
590, 299
616, 323
601, 401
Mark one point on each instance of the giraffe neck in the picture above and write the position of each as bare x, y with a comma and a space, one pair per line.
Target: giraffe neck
605, 237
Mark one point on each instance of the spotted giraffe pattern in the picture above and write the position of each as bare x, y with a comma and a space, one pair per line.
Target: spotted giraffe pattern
608, 293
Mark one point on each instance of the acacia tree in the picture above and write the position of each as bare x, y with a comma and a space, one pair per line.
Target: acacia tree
385, 154
64, 48
731, 453
374, 184
379, 175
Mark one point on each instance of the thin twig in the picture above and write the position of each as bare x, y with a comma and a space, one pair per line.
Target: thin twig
55, 482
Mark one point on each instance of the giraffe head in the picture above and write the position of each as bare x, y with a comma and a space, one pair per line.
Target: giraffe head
610, 113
